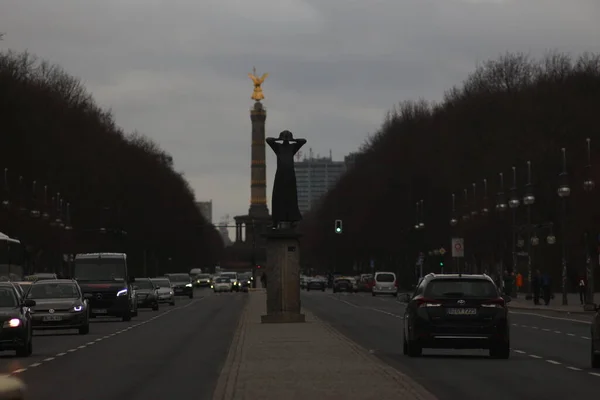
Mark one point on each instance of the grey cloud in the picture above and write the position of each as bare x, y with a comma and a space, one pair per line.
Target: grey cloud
176, 70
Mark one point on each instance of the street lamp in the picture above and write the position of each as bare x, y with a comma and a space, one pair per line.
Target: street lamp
475, 211
35, 213
528, 201
453, 220
466, 215
485, 210
514, 203
564, 191
45, 214
6, 200
588, 186
417, 224
22, 207
422, 224
501, 197
68, 225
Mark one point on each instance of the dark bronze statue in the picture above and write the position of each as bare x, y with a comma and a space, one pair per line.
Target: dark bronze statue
284, 207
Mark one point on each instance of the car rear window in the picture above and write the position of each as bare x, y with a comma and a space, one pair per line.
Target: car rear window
385, 278
461, 288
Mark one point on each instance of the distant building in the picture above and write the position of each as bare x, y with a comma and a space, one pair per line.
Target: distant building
350, 160
315, 176
206, 210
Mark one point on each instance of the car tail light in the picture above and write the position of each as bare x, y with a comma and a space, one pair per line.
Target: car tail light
396, 283
423, 302
495, 303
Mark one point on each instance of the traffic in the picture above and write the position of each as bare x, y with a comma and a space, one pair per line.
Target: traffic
100, 287
448, 312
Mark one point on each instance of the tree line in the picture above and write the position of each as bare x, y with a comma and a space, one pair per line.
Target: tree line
66, 159
509, 111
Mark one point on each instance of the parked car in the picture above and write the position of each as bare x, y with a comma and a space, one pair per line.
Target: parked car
595, 335
385, 283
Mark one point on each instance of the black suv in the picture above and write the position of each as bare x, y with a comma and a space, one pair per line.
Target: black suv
595, 341
456, 312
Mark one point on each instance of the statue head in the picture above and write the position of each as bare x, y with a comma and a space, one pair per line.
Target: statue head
286, 135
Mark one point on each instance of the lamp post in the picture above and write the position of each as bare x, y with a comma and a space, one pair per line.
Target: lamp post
45, 214
6, 200
501, 206
453, 220
588, 186
35, 212
528, 201
564, 191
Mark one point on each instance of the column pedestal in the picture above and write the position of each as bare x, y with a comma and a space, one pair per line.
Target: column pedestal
283, 277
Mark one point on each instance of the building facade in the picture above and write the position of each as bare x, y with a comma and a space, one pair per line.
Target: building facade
315, 176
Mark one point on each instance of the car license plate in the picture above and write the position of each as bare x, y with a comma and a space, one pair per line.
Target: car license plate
179, 290
53, 318
462, 311
100, 311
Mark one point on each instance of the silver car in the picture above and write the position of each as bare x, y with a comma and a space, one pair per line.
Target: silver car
165, 290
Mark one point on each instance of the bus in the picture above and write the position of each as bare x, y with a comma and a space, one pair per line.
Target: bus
11, 259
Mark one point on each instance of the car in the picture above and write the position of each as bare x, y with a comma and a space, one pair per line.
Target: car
104, 279
165, 290
384, 283
41, 276
456, 311
595, 335
316, 284
343, 284
15, 315
146, 293
222, 284
60, 304
182, 284
202, 280
233, 276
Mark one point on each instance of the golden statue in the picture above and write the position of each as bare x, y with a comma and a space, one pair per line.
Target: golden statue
257, 94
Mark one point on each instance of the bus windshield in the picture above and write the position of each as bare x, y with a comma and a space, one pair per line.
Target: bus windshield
100, 269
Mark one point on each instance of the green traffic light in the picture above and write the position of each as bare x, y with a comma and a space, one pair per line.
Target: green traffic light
442, 264
338, 230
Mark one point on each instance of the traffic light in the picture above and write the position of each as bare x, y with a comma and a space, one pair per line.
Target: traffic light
441, 263
338, 226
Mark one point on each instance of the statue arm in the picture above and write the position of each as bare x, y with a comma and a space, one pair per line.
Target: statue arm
254, 78
298, 144
273, 144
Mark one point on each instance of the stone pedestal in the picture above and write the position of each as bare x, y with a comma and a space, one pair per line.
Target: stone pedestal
283, 277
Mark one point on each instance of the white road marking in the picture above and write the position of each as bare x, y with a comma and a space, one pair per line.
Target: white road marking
534, 356
553, 362
549, 317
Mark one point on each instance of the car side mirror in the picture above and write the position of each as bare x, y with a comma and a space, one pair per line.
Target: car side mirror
406, 298
88, 296
29, 303
507, 299
591, 307
156, 287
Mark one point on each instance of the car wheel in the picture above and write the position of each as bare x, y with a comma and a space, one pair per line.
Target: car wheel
155, 307
322, 290
500, 351
85, 329
27, 349
191, 296
373, 293
595, 358
172, 303
404, 347
307, 289
414, 348
127, 316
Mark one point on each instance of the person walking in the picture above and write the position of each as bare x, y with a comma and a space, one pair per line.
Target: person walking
263, 280
582, 290
536, 287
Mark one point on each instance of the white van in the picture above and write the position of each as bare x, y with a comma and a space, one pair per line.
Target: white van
385, 283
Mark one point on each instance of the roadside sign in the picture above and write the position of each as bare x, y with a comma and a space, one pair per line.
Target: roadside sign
458, 247
372, 263
442, 251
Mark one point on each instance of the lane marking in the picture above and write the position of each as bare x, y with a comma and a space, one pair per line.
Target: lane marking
549, 317
574, 368
534, 356
553, 362
50, 359
594, 373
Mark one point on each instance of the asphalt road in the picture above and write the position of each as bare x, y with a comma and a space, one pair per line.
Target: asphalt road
176, 352
550, 351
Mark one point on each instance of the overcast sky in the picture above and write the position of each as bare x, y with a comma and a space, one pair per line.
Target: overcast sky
177, 70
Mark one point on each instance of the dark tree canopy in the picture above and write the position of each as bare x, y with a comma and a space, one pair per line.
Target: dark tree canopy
52, 132
509, 111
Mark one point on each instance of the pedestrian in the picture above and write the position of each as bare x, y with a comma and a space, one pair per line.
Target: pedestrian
536, 286
546, 290
582, 292
263, 280
519, 282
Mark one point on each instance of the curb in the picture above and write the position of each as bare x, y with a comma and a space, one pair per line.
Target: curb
557, 310
412, 387
226, 384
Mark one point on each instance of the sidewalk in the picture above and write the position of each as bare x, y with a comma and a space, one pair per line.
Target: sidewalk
305, 361
574, 306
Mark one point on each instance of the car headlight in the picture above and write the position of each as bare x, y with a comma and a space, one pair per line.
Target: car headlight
212, 287
248, 282
188, 285
77, 308
12, 323
171, 292
122, 292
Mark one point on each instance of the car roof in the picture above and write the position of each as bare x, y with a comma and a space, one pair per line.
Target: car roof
384, 272
482, 277
44, 281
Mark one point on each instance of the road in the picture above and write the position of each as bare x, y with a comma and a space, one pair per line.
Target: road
550, 351
176, 352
